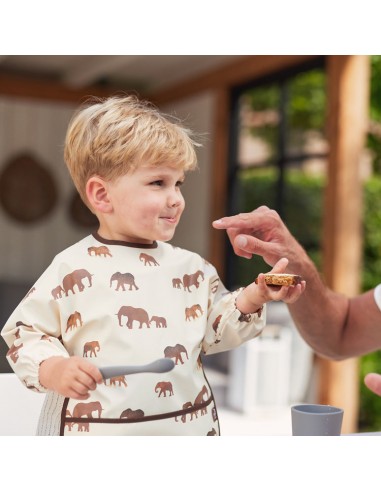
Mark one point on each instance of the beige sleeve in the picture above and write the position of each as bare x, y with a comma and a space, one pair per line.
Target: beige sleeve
227, 327
32, 333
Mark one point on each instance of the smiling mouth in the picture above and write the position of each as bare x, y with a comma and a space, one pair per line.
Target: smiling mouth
172, 220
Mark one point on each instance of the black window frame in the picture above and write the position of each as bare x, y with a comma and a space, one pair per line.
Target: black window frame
281, 78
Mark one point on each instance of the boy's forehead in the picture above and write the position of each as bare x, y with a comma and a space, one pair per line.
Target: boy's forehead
161, 170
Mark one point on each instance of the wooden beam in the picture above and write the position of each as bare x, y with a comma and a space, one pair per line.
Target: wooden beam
244, 69
235, 73
33, 88
348, 102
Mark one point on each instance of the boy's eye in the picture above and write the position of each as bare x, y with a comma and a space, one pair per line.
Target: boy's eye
179, 183
159, 182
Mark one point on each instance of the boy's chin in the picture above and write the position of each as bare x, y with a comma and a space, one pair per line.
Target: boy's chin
165, 237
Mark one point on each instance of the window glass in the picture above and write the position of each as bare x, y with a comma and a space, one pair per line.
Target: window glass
259, 126
281, 161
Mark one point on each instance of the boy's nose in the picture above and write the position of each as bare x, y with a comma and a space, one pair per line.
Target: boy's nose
175, 199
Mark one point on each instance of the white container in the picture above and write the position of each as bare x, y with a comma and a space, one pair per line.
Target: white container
259, 374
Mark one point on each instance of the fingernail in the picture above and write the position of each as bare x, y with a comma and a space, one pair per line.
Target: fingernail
241, 241
217, 222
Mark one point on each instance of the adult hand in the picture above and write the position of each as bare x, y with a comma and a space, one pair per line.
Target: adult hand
261, 232
373, 382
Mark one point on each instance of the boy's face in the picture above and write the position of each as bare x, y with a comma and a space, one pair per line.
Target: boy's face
146, 204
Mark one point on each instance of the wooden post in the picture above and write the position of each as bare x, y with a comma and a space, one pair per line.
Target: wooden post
348, 89
220, 181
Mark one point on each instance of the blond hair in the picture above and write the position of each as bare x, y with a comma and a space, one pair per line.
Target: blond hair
113, 136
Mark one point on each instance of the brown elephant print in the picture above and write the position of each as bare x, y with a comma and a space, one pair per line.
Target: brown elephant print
25, 327
75, 279
183, 418
74, 321
175, 353
163, 387
212, 432
200, 399
118, 380
190, 280
215, 326
193, 312
57, 292
86, 409
91, 348
159, 321
122, 279
177, 283
215, 284
132, 414
82, 426
133, 314
148, 260
99, 251
13, 352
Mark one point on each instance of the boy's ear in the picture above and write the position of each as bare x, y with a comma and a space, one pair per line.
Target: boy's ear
97, 195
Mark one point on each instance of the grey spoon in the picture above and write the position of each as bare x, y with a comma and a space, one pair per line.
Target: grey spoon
159, 365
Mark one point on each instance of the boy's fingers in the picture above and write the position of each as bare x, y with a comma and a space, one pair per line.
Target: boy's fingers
280, 266
92, 371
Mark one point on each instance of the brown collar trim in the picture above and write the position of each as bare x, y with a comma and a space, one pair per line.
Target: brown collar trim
124, 243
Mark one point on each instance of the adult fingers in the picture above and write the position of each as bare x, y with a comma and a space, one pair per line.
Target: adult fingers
373, 382
245, 245
245, 220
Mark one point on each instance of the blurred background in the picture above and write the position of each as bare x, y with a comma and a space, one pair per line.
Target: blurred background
298, 133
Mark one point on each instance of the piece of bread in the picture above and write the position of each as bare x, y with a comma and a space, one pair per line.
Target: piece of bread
281, 279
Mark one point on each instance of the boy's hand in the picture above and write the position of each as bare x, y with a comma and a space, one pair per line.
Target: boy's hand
71, 377
255, 295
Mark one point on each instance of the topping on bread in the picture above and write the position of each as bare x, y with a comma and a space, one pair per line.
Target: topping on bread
281, 279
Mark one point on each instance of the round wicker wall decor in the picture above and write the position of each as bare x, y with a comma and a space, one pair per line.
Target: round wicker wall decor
27, 189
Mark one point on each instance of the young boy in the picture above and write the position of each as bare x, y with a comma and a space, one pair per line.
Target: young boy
124, 296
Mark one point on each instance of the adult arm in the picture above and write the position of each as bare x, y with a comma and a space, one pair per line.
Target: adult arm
334, 325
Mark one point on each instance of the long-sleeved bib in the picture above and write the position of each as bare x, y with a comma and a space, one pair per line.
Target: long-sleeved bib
117, 303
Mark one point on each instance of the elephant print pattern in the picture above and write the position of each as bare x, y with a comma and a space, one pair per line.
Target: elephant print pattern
159, 321
193, 312
74, 279
74, 321
192, 280
133, 314
92, 348
175, 353
87, 409
123, 279
99, 251
163, 387
111, 303
148, 259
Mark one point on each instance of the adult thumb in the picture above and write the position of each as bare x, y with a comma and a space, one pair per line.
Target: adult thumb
373, 382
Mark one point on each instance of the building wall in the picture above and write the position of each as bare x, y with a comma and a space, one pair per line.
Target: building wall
193, 231
39, 129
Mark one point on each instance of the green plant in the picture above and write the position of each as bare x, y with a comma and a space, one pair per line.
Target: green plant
370, 404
